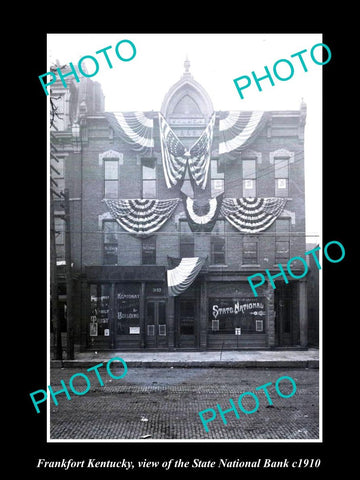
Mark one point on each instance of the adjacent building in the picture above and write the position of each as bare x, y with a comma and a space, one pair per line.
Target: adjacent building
170, 211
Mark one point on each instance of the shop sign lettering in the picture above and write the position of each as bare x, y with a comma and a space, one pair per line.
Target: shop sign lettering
236, 308
128, 296
128, 316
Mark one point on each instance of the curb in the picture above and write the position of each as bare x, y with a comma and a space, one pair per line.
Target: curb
193, 364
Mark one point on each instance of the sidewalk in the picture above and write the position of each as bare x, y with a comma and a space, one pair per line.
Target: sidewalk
228, 359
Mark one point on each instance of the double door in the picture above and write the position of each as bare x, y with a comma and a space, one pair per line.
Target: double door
155, 324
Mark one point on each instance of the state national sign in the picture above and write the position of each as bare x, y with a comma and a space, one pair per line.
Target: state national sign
228, 315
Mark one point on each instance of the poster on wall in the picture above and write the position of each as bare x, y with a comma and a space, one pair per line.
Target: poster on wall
241, 124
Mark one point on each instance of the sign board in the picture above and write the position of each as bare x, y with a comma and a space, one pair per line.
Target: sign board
93, 329
236, 313
106, 332
133, 330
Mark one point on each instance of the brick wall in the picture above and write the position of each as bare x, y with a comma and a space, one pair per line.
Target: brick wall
98, 138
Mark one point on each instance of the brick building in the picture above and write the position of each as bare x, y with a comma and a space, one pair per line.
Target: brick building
171, 211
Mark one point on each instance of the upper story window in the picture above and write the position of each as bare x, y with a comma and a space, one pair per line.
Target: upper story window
148, 250
187, 245
281, 177
249, 178
149, 179
282, 240
250, 251
111, 178
217, 179
217, 243
110, 254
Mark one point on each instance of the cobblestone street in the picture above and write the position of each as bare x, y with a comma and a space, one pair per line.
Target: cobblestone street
163, 403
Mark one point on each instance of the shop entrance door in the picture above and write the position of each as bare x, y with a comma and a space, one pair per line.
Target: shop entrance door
283, 323
186, 330
155, 324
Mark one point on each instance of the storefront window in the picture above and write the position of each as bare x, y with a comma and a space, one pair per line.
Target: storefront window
99, 310
236, 316
128, 309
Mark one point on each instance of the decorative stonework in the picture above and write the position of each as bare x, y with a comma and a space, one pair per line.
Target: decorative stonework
288, 213
111, 154
102, 217
251, 154
282, 153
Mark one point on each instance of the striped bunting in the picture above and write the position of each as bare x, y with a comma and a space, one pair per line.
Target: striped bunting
239, 129
252, 215
173, 154
182, 275
200, 152
202, 217
140, 216
176, 157
134, 127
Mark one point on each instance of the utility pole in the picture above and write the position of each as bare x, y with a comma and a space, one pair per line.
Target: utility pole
69, 280
54, 285
54, 294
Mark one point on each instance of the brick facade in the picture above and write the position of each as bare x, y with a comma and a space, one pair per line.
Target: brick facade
183, 321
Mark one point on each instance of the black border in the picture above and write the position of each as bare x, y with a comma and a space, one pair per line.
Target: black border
336, 128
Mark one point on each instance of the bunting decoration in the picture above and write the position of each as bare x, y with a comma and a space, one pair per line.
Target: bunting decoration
141, 217
182, 273
238, 129
173, 154
202, 217
200, 153
134, 128
252, 215
176, 157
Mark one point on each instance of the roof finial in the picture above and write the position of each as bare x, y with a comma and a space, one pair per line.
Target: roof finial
187, 66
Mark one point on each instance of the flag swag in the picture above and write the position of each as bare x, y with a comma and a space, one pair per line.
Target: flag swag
141, 217
252, 215
238, 129
202, 217
182, 273
176, 157
134, 127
